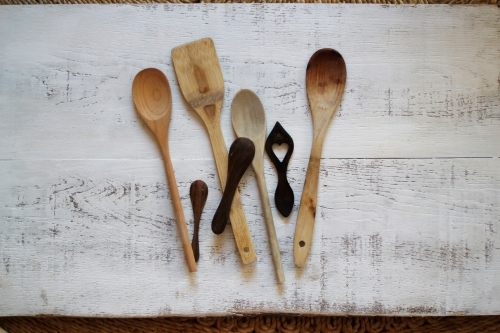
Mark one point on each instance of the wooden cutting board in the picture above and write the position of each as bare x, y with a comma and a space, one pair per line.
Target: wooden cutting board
408, 213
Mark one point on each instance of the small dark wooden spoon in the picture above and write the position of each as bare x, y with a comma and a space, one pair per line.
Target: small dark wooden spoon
198, 193
241, 154
283, 197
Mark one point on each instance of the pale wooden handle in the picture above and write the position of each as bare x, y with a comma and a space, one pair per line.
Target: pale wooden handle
268, 217
236, 216
179, 213
307, 213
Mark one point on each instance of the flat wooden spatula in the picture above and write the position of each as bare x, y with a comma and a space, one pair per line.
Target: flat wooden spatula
200, 78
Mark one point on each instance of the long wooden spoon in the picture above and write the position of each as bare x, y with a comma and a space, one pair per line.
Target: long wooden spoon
153, 101
325, 82
200, 79
249, 120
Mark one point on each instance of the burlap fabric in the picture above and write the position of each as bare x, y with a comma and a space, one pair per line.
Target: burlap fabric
259, 324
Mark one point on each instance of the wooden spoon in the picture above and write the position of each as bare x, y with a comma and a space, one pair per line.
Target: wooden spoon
198, 193
325, 82
200, 79
153, 101
249, 120
283, 196
241, 155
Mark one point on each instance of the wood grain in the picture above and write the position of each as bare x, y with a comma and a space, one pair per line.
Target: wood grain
407, 220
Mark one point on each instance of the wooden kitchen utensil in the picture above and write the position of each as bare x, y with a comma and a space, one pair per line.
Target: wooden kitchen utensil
283, 196
325, 82
198, 193
200, 79
241, 154
249, 120
153, 101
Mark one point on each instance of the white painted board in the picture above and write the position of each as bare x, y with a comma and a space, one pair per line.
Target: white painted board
409, 207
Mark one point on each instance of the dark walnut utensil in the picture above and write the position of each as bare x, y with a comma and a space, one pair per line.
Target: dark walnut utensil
153, 101
325, 82
198, 192
241, 155
283, 196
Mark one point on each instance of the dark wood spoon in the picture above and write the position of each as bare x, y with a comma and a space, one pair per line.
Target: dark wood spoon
325, 82
283, 196
241, 154
198, 193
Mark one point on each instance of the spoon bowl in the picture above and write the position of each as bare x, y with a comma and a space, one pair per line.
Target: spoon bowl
325, 83
248, 115
153, 101
151, 94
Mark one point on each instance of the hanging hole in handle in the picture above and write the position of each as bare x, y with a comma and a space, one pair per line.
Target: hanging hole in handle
302, 243
246, 249
280, 150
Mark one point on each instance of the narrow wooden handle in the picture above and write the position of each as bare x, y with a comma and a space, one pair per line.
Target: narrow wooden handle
307, 212
268, 217
239, 224
198, 192
241, 154
283, 196
179, 213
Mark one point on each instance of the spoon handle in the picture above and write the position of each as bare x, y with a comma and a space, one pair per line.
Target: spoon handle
198, 193
179, 213
307, 209
241, 155
283, 197
268, 218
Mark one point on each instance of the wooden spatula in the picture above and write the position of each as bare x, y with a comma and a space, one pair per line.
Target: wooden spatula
200, 78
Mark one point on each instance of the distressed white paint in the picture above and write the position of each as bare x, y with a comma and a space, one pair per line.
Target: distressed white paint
409, 206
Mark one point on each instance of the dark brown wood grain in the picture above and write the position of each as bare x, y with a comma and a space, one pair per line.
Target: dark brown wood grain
198, 192
241, 154
283, 196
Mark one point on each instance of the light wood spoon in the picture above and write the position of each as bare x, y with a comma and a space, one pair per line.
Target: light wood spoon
325, 82
200, 79
153, 101
249, 120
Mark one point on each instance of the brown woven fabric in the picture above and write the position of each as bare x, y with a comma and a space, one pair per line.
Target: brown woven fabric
258, 324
